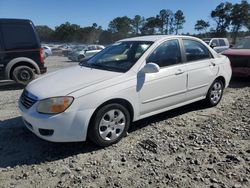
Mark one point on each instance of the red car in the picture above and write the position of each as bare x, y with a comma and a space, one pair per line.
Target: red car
239, 56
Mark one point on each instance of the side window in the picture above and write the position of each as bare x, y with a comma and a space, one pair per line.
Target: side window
215, 41
166, 54
195, 50
222, 42
18, 36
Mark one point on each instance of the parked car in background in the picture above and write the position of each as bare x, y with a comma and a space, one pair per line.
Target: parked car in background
127, 81
239, 56
86, 52
218, 44
21, 55
47, 51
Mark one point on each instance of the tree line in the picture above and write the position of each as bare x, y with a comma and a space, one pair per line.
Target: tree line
227, 17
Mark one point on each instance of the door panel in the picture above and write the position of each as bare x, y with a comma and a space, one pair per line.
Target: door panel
200, 74
200, 68
168, 86
163, 89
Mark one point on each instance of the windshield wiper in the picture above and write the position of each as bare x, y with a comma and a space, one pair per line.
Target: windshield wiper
101, 66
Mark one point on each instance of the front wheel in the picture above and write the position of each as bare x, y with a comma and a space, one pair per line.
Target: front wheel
110, 124
23, 75
215, 93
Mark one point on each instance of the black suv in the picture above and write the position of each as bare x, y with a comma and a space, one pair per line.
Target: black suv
21, 55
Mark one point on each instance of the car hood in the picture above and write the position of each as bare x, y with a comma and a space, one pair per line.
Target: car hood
69, 80
238, 52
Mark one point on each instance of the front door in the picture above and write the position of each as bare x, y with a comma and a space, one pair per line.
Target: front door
168, 86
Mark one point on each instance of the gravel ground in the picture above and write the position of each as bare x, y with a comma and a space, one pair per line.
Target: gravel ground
191, 146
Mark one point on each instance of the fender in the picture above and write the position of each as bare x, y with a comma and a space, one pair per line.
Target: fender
18, 60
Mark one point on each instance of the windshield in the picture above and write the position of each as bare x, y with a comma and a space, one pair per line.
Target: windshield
243, 44
119, 57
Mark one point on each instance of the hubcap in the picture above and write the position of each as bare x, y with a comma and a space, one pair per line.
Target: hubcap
216, 92
24, 75
112, 125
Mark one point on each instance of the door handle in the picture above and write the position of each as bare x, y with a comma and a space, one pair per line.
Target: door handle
179, 71
212, 64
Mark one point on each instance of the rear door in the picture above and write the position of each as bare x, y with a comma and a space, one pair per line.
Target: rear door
200, 66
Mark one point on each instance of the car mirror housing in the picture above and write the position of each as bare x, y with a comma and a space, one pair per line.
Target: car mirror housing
213, 45
150, 68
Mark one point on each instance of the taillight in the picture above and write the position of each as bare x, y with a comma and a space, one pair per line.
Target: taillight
42, 55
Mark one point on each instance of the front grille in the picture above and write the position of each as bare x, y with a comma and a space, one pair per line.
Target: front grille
27, 99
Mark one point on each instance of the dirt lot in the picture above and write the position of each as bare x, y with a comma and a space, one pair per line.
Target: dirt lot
191, 146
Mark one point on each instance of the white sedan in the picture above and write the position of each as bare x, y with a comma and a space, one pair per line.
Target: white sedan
132, 79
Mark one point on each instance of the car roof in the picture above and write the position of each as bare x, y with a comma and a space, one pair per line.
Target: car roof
10, 20
155, 38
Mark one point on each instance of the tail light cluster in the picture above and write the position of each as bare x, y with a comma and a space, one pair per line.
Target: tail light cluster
42, 55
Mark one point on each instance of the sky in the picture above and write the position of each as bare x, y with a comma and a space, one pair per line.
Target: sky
87, 12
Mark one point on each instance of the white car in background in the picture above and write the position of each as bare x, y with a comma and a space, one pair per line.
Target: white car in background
132, 79
85, 52
218, 44
47, 51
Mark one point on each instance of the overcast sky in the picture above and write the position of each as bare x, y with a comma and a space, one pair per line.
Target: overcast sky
86, 12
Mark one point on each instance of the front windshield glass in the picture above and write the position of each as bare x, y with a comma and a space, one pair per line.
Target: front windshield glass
243, 44
119, 57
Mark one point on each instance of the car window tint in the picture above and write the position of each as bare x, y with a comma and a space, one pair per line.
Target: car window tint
215, 42
195, 50
166, 54
222, 42
18, 36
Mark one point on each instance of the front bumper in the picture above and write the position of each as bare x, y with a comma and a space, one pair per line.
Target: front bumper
69, 126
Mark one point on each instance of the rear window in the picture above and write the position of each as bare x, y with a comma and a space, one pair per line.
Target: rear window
16, 36
222, 42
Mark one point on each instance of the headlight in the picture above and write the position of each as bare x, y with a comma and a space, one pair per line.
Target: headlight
54, 105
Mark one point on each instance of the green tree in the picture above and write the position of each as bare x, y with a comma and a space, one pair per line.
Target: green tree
221, 16
121, 26
239, 17
137, 23
162, 20
165, 21
45, 33
179, 20
150, 26
201, 25
67, 32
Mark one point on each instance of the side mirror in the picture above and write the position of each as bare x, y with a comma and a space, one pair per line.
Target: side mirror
150, 68
213, 45
230, 46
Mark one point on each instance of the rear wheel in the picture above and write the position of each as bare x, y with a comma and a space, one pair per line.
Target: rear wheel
23, 75
215, 93
110, 124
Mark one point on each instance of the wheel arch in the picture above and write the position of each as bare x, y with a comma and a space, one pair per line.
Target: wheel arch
20, 62
221, 78
120, 101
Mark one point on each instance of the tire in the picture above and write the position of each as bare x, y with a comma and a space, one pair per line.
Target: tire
23, 75
214, 93
105, 130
